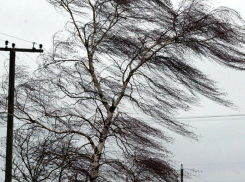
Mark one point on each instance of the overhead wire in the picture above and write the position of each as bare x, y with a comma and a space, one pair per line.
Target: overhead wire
177, 118
2, 40
217, 181
19, 39
3, 55
201, 117
29, 57
17, 47
221, 116
16, 37
200, 178
215, 164
190, 119
211, 116
204, 180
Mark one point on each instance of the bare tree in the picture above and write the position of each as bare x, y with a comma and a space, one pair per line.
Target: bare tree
43, 156
120, 71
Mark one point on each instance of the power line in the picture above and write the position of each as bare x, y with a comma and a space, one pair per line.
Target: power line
16, 37
194, 117
2, 40
23, 52
200, 178
212, 116
180, 119
204, 180
30, 58
218, 181
3, 55
10, 116
177, 118
214, 164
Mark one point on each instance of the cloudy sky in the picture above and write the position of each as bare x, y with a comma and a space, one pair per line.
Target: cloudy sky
218, 155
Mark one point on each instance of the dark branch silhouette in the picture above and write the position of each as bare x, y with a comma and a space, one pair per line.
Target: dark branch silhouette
120, 73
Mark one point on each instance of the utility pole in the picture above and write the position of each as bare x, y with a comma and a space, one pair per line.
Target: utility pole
10, 118
182, 173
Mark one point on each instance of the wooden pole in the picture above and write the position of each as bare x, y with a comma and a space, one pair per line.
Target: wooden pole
182, 173
10, 119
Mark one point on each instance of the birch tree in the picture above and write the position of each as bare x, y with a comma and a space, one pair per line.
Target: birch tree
119, 72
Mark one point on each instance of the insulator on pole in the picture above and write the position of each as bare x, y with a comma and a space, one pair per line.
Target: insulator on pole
33, 45
6, 43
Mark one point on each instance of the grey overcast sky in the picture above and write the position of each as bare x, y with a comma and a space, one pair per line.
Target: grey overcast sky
218, 155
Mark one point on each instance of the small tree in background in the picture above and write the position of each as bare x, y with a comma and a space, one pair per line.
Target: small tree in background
119, 72
41, 156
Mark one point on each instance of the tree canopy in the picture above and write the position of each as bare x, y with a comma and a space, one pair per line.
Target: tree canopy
117, 75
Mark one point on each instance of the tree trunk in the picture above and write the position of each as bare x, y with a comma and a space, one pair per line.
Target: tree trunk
95, 169
98, 149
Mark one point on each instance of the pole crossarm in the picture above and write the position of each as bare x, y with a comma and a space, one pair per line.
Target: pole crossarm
20, 49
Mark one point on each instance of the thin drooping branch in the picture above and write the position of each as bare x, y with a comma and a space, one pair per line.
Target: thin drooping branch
119, 65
